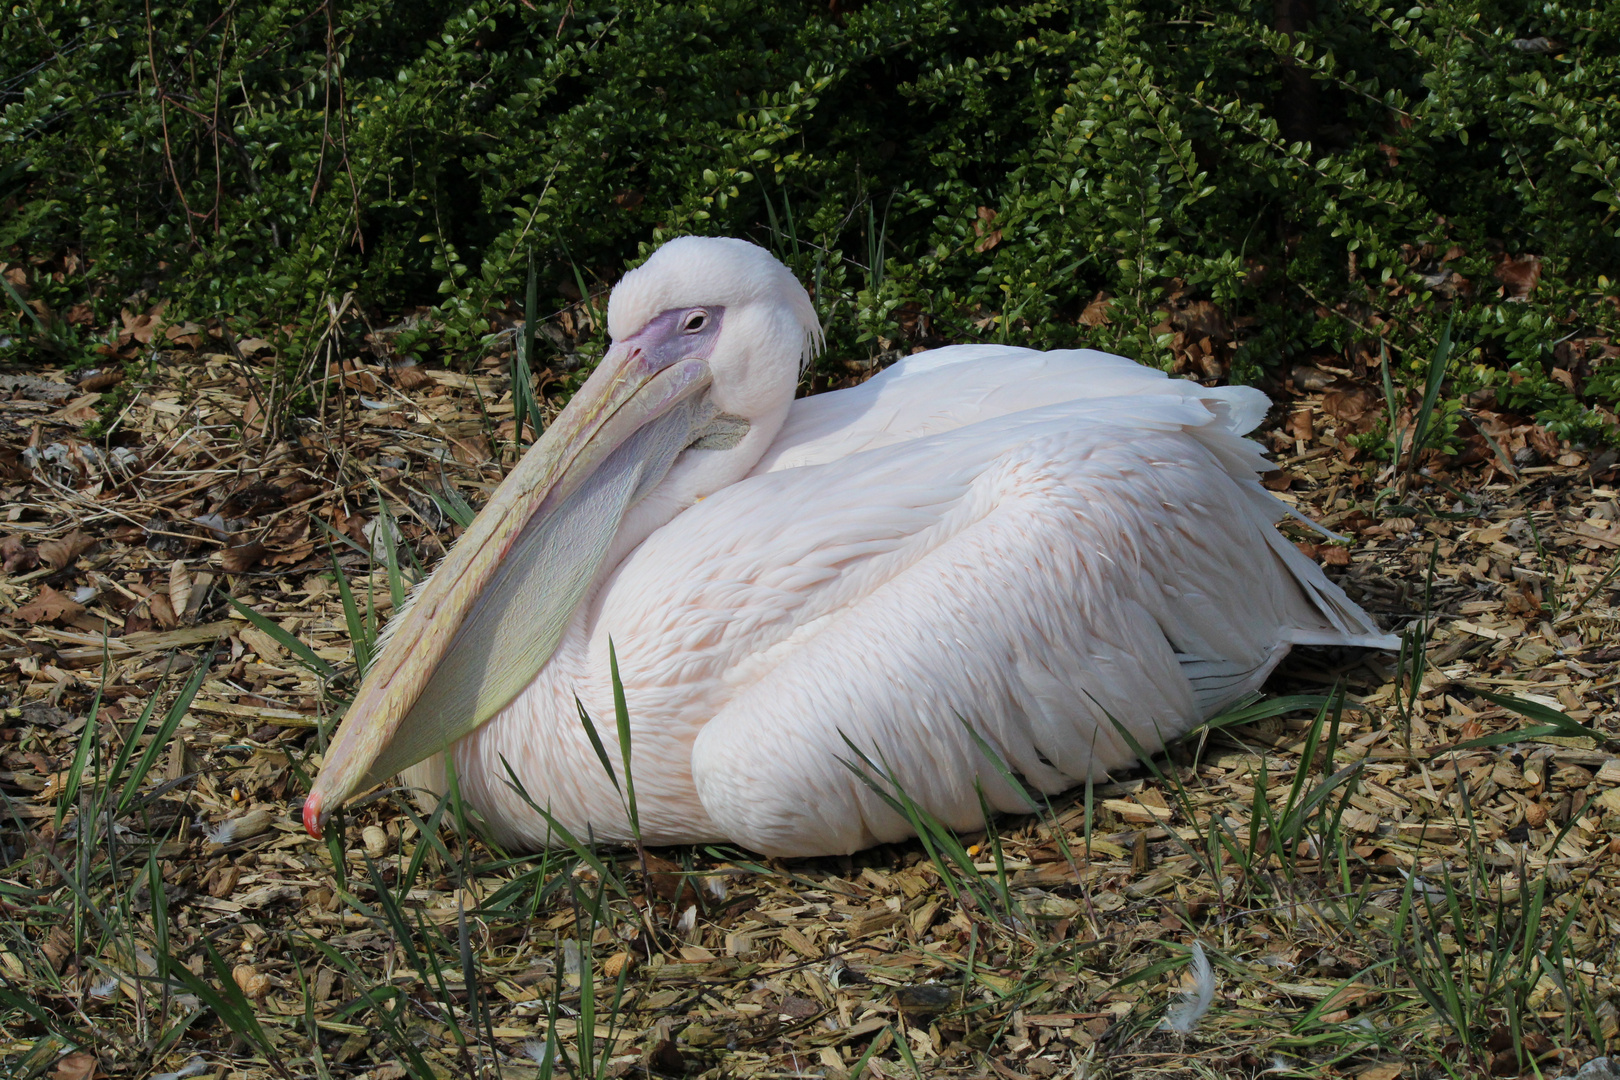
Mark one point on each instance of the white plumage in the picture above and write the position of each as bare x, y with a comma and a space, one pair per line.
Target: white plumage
1019, 542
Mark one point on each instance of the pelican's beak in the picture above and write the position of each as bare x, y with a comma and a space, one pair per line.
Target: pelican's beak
480, 629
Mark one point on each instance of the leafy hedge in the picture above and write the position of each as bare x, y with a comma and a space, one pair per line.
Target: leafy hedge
1286, 179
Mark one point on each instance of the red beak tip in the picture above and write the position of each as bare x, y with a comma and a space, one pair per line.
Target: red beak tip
312, 816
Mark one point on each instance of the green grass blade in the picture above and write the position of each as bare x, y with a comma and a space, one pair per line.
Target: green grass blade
571, 842
597, 745
1549, 722
388, 525
82, 753
1394, 410
362, 635
525, 410
1438, 363
453, 506
300, 651
621, 717
228, 1002
22, 305
370, 997
1255, 709
165, 732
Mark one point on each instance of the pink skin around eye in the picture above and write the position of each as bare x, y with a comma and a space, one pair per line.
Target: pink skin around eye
665, 339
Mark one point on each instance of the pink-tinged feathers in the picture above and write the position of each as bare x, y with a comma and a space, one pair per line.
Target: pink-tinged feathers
1043, 547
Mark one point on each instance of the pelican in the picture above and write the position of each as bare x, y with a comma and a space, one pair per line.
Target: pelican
984, 552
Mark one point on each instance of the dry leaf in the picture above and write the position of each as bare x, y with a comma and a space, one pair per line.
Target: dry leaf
1200, 319
1349, 405
78, 411
223, 883
242, 557
1519, 274
17, 556
49, 606
411, 378
1383, 1070
1096, 313
179, 588
469, 449
77, 1066
162, 611
1312, 379
57, 554
58, 947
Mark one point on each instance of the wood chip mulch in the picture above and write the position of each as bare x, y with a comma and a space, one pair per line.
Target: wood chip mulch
120, 554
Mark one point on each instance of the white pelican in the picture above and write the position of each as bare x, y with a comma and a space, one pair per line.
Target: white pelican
1017, 541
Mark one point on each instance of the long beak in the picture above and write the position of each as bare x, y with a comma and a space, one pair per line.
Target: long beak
491, 616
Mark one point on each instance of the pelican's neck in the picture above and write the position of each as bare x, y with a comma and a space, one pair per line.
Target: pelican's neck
695, 475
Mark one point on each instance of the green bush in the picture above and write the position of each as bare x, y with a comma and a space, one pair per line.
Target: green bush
1326, 173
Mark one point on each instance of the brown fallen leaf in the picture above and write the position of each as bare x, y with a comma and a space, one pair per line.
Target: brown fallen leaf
101, 380
49, 606
241, 557
469, 449
1383, 1070
1096, 312
80, 1065
1519, 275
58, 554
410, 378
988, 238
179, 588
1200, 319
1350, 405
58, 947
162, 611
78, 411
16, 556
291, 556
1311, 379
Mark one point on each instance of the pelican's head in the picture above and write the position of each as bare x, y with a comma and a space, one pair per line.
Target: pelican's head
709, 338
699, 288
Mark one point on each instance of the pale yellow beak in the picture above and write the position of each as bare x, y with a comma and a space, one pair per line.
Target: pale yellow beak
490, 617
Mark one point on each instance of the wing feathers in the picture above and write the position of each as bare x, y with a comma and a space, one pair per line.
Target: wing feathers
1103, 576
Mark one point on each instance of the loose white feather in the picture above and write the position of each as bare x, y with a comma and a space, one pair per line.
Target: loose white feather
1183, 1017
222, 833
191, 1068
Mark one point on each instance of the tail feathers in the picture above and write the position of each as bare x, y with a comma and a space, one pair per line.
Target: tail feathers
1347, 623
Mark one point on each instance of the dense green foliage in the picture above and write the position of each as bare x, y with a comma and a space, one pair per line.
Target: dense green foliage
1317, 169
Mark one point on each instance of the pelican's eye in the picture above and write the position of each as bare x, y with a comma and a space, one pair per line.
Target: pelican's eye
694, 322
